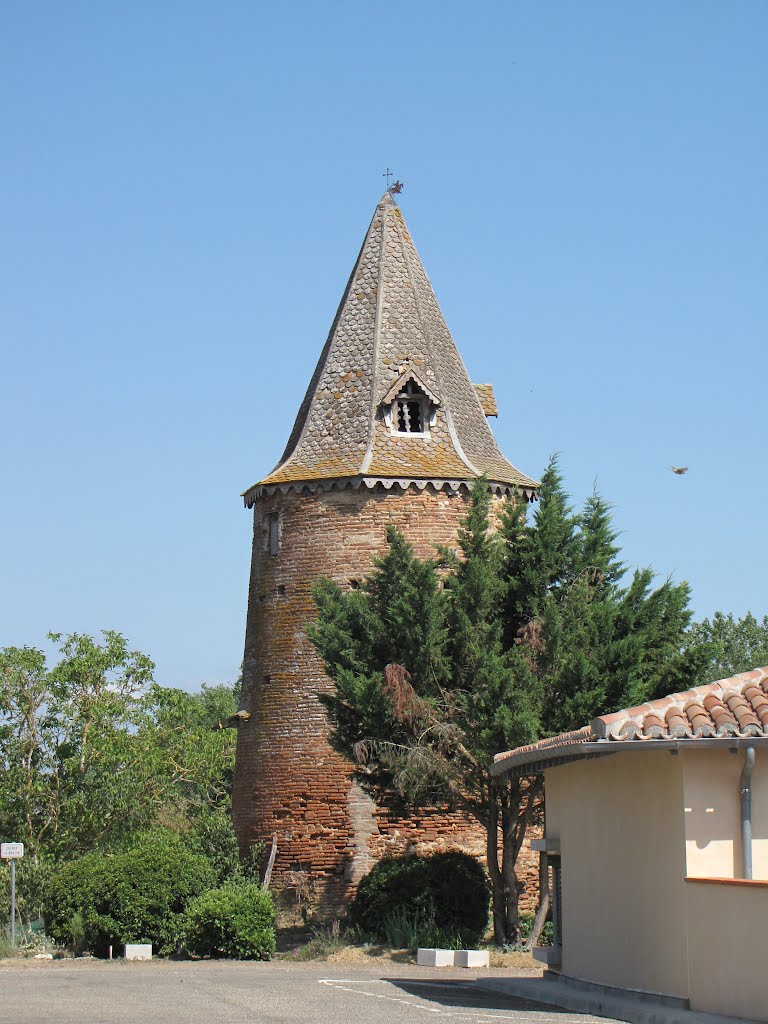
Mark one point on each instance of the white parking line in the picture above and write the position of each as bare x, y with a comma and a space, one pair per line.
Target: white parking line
480, 1017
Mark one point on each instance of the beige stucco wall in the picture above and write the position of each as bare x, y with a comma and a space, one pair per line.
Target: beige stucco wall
727, 948
621, 828
711, 784
631, 827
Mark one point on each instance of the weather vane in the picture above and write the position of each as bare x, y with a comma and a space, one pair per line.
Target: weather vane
396, 187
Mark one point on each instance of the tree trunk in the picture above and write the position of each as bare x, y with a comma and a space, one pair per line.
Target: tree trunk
513, 802
498, 903
508, 872
543, 908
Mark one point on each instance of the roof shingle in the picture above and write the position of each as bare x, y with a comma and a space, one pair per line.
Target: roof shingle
389, 322
736, 707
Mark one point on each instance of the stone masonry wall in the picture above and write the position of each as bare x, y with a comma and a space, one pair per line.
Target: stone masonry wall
288, 780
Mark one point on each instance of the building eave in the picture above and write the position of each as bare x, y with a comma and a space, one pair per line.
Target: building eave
535, 762
501, 488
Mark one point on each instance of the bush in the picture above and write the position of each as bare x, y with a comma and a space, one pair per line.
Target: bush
138, 894
445, 894
235, 921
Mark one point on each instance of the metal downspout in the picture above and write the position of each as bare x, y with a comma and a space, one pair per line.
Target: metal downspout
746, 811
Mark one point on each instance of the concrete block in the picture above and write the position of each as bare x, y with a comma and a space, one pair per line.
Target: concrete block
434, 957
471, 958
550, 955
138, 951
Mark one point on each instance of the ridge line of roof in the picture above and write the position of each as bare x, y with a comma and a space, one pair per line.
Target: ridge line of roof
368, 457
430, 348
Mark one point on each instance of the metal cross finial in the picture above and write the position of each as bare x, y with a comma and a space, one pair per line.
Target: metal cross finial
397, 187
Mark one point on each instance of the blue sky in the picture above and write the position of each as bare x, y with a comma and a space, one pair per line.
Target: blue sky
184, 190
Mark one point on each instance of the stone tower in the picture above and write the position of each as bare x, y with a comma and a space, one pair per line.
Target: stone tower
391, 431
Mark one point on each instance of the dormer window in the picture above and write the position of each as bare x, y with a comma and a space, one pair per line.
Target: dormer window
409, 411
409, 406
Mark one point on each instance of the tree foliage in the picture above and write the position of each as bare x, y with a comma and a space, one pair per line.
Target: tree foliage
529, 630
138, 894
731, 645
93, 751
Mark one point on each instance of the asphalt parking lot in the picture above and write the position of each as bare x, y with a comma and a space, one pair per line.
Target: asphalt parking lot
163, 992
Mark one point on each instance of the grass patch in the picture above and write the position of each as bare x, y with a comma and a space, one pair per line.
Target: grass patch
405, 930
6, 949
324, 943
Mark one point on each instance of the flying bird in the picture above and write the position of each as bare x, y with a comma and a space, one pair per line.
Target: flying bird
679, 469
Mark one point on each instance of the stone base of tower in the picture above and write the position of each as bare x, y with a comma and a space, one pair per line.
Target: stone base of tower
326, 845
324, 895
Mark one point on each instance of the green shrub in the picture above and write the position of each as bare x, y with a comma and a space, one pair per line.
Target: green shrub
138, 894
409, 897
235, 921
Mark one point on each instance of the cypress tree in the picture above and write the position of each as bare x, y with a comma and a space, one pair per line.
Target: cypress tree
526, 634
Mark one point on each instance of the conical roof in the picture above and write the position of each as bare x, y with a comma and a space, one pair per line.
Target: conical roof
389, 331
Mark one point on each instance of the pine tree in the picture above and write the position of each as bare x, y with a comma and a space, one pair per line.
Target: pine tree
424, 727
597, 548
498, 700
528, 633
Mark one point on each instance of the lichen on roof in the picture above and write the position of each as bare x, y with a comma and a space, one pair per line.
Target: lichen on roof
389, 321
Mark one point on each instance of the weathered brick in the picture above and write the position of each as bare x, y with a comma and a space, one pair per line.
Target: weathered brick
289, 782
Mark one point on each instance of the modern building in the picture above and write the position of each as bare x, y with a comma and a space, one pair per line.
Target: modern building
391, 431
657, 837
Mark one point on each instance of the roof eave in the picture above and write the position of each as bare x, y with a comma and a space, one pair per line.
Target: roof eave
501, 487
535, 762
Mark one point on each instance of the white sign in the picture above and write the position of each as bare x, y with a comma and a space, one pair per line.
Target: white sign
11, 851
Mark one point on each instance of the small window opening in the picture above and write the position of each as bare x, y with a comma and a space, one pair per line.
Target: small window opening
355, 584
281, 589
409, 410
267, 679
272, 533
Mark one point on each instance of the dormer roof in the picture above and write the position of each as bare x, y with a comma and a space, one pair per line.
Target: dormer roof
388, 329
402, 382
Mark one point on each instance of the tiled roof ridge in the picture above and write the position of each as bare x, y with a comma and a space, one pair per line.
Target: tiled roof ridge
720, 708
732, 708
582, 735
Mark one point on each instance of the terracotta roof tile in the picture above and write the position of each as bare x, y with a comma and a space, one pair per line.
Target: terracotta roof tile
733, 707
388, 322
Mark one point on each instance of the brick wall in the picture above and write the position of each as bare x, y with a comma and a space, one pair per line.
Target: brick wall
288, 780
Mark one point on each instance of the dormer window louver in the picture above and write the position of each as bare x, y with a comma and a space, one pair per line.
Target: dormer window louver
409, 412
409, 406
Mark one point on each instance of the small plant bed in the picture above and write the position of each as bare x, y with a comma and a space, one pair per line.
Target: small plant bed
321, 945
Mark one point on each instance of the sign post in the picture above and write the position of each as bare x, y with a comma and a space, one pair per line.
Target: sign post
12, 852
